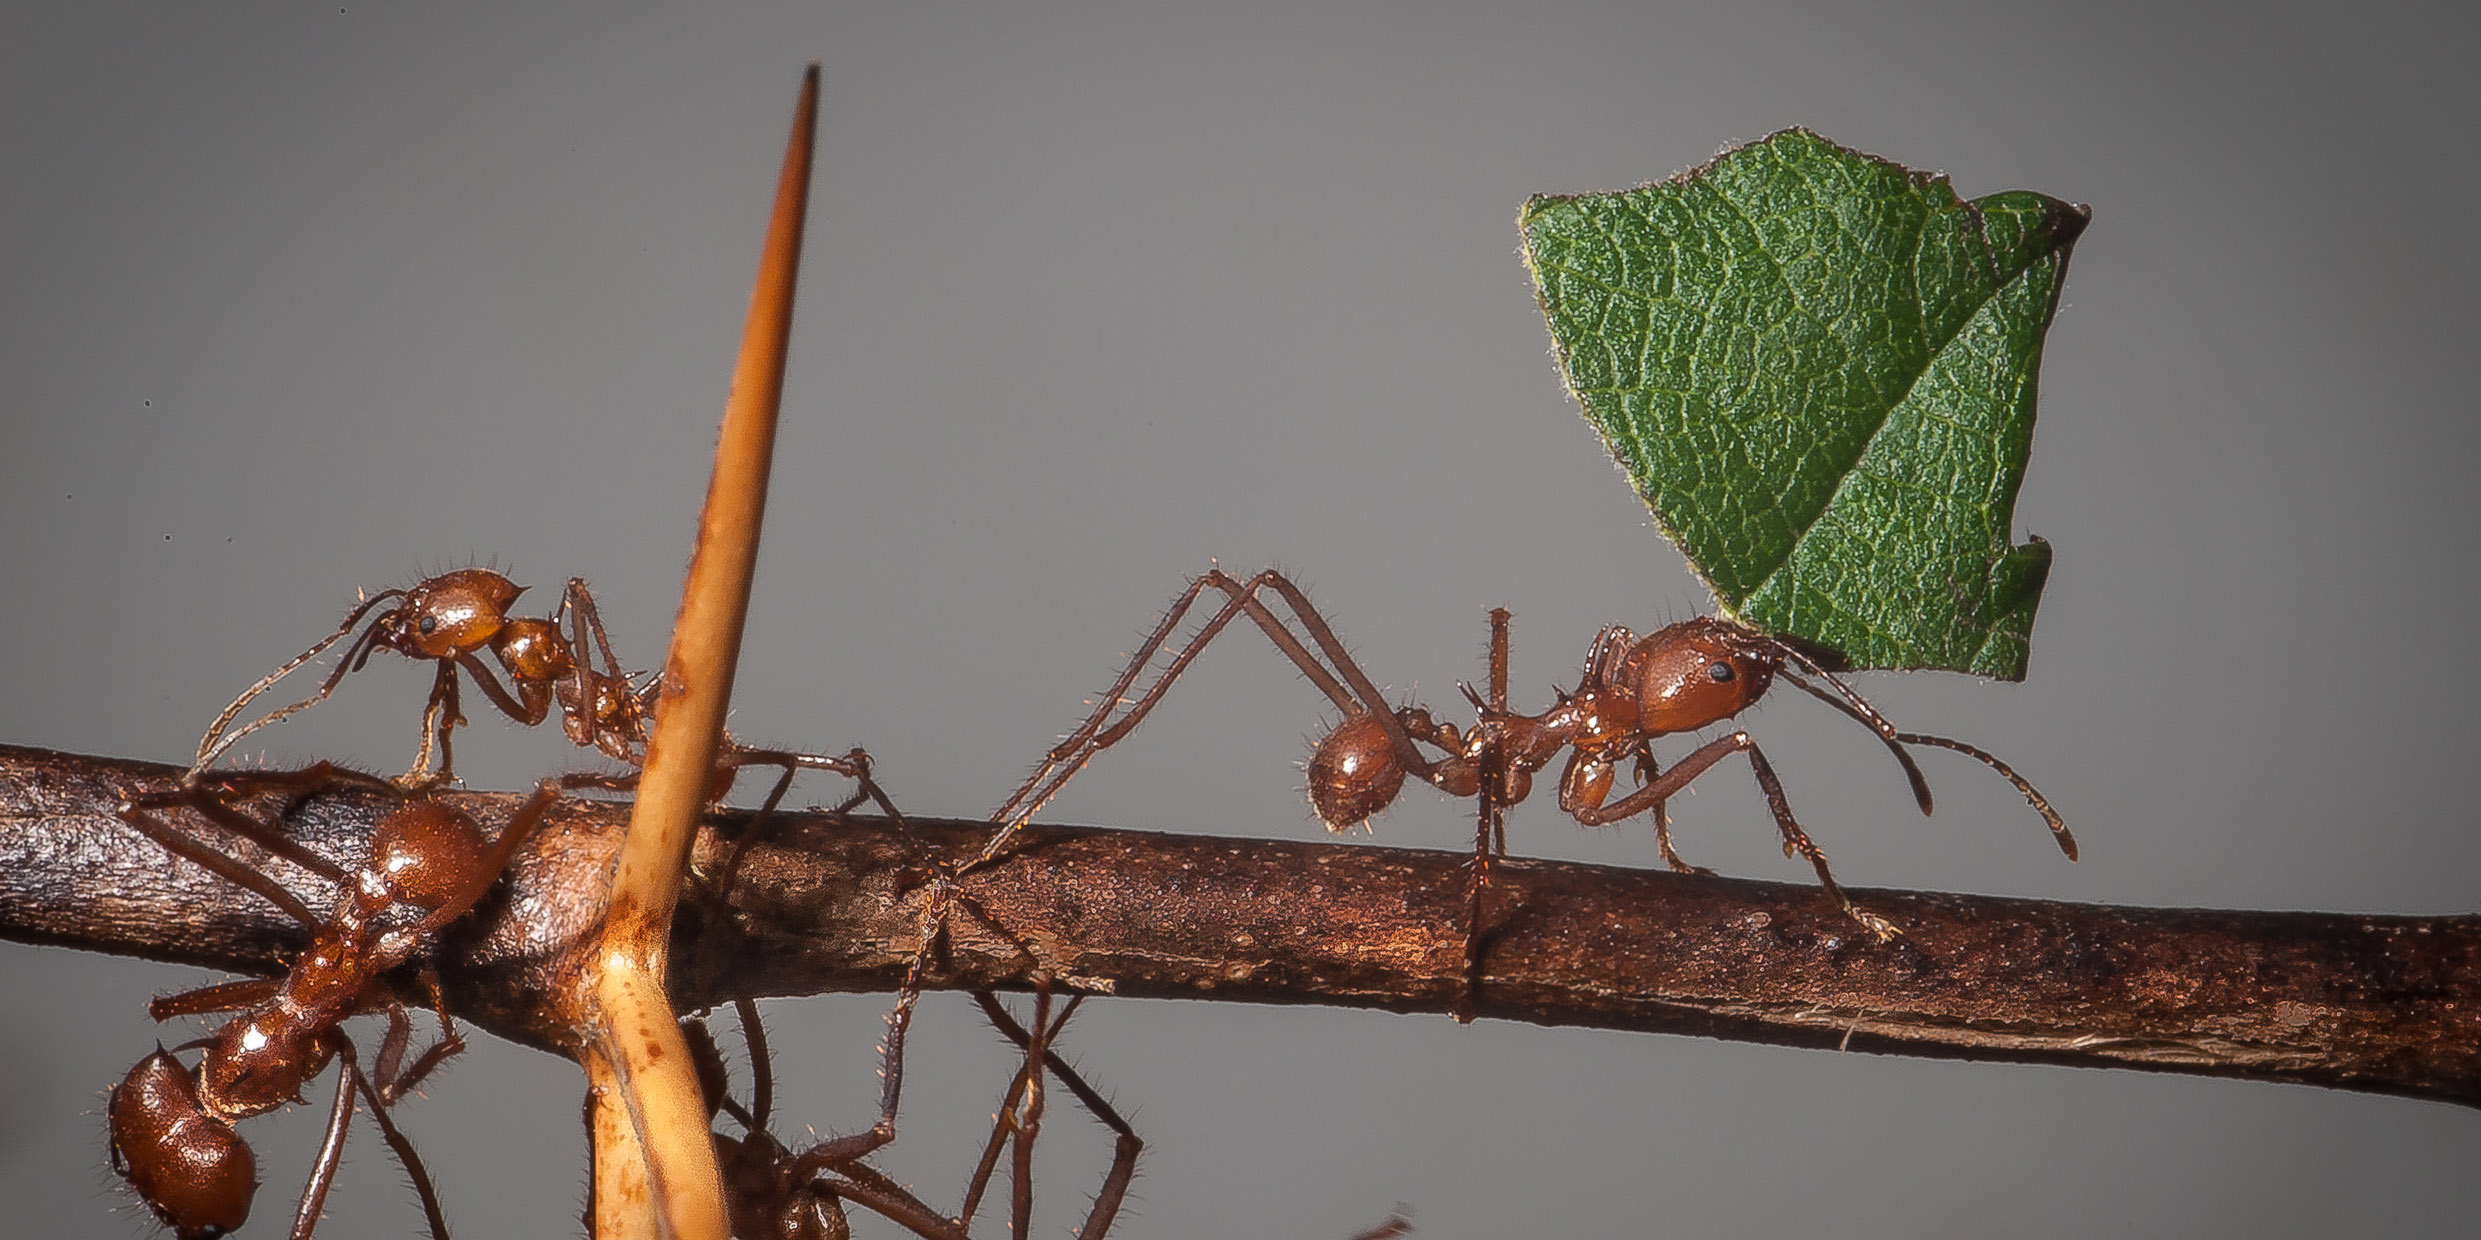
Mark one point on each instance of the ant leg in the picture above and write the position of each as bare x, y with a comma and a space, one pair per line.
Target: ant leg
864, 1186
331, 1150
397, 1142
836, 1151
393, 1083
220, 997
1029, 1122
214, 742
1648, 769
440, 715
213, 800
1126, 1148
181, 844
525, 713
1490, 823
1795, 840
1092, 736
762, 1064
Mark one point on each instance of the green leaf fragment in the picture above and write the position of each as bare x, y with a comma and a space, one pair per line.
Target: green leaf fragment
1818, 369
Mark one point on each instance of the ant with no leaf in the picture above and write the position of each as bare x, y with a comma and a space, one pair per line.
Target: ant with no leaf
451, 619
171, 1127
1680, 678
774, 1193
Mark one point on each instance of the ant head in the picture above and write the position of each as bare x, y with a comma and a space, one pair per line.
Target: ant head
1354, 773
1699, 672
451, 614
190, 1167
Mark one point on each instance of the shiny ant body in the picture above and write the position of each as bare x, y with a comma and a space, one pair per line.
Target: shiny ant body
1632, 690
775, 1193
452, 620
171, 1127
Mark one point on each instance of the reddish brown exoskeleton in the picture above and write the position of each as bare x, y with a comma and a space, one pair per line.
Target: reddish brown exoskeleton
562, 661
171, 1126
1682, 678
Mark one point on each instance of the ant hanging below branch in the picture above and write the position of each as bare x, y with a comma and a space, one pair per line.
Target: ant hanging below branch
451, 620
774, 1193
171, 1126
1632, 690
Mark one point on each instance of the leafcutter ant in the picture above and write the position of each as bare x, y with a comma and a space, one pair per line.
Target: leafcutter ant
775, 1193
451, 620
1632, 690
171, 1126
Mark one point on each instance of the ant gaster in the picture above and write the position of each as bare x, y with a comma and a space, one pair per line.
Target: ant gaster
1632, 690
171, 1127
451, 619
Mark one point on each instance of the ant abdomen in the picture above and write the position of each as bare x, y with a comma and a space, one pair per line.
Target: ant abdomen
1354, 773
189, 1167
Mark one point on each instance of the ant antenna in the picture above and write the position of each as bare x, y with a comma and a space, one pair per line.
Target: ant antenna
1851, 703
215, 743
1869, 716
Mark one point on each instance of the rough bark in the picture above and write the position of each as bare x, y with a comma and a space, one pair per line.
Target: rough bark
2382, 1004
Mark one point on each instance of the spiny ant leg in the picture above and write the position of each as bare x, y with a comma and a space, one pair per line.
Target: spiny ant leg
1490, 823
1092, 736
1648, 770
1795, 840
1029, 1110
1127, 1145
331, 1151
246, 877
398, 1142
762, 1062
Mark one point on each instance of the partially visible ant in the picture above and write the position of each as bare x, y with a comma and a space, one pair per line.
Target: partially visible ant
774, 1193
171, 1127
1680, 678
451, 619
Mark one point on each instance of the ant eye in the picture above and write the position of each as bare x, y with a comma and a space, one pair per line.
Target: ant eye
430, 624
1721, 672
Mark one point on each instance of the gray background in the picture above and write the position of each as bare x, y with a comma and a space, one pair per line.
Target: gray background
296, 302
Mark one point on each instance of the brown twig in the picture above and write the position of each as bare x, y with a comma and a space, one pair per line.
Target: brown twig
2380, 1004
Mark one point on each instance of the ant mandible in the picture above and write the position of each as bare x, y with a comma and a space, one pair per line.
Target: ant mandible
171, 1127
451, 619
1680, 678
774, 1193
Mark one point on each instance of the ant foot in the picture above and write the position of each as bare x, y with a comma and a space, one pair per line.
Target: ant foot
1886, 931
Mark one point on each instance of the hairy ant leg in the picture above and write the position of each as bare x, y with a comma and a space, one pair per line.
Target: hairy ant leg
1383, 735
776, 1193
1039, 1058
772, 1193
216, 798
